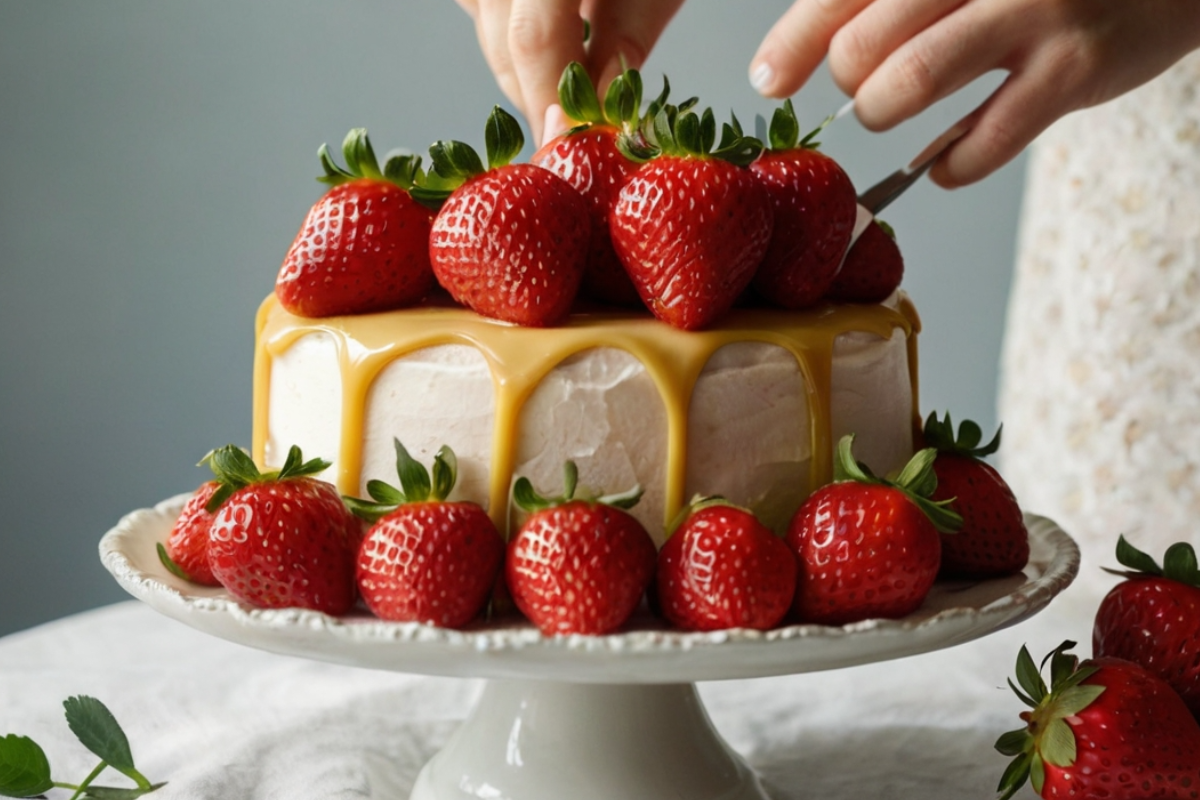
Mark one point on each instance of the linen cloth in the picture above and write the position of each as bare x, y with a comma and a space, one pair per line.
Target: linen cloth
219, 720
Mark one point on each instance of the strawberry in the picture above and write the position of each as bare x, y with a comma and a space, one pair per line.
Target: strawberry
993, 539
511, 241
425, 559
873, 267
186, 551
814, 208
578, 566
1153, 617
364, 246
868, 547
691, 226
597, 156
281, 539
722, 568
1106, 728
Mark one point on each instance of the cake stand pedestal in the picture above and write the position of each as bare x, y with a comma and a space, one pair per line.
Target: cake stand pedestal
549, 740
587, 717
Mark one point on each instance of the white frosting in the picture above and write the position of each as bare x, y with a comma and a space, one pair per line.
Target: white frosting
749, 437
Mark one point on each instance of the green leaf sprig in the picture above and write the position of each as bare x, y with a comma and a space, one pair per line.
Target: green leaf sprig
402, 168
1179, 563
25, 769
453, 162
528, 499
680, 131
415, 484
916, 480
940, 433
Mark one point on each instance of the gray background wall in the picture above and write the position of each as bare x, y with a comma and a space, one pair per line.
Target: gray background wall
156, 159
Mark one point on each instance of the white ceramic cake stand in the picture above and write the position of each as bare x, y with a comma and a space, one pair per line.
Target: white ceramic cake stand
591, 718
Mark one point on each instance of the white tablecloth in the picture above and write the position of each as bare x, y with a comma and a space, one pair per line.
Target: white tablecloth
218, 720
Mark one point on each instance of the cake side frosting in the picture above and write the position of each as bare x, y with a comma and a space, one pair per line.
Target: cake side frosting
749, 409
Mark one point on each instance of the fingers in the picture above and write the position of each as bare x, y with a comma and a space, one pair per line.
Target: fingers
929, 66
797, 43
860, 46
1027, 103
543, 37
624, 30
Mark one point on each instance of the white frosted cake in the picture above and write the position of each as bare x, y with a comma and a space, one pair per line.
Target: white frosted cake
749, 409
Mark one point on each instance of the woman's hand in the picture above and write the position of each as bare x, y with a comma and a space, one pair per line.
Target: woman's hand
898, 57
528, 43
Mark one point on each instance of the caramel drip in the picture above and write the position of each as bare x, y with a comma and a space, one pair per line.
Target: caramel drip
519, 358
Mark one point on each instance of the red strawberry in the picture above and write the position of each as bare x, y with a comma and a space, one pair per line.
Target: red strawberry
993, 539
1105, 728
364, 246
722, 568
426, 559
281, 539
814, 210
873, 268
597, 157
868, 547
510, 242
1153, 618
186, 551
691, 225
578, 566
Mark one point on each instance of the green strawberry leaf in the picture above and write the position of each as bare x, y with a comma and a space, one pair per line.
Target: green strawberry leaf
403, 169
623, 500
527, 498
623, 101
1136, 560
168, 562
296, 467
784, 132
1015, 776
502, 138
1037, 772
1030, 678
111, 793
570, 479
445, 473
1058, 743
359, 155
233, 469
453, 162
96, 728
1076, 698
24, 768
577, 95
1179, 564
688, 134
367, 510
385, 493
1014, 743
1062, 666
941, 434
846, 467
334, 175
414, 478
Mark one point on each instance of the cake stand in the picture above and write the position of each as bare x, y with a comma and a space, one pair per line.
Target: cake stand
588, 717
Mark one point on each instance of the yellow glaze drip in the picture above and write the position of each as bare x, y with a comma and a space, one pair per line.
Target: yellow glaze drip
519, 358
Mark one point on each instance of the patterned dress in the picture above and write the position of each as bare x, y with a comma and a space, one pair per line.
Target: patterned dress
1100, 383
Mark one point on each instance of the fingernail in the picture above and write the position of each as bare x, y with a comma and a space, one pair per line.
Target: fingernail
761, 77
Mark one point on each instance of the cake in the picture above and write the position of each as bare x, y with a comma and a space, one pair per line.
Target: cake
750, 408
